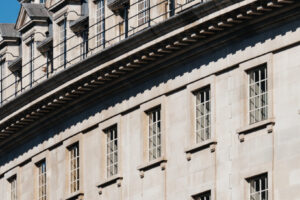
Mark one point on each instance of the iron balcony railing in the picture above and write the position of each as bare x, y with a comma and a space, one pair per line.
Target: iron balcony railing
75, 49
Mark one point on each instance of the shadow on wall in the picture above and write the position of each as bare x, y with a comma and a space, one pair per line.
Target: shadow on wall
134, 88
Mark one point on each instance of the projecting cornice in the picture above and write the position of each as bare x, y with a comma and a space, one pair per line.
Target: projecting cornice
143, 51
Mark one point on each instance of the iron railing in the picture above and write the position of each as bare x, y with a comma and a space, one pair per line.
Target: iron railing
34, 72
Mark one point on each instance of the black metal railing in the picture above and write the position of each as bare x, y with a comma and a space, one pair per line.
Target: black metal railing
41, 67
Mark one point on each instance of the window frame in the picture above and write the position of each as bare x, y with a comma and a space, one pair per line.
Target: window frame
113, 128
31, 47
62, 42
103, 127
39, 181
250, 65
76, 139
74, 156
143, 15
2, 76
100, 23
146, 164
258, 176
11, 180
36, 160
191, 142
151, 134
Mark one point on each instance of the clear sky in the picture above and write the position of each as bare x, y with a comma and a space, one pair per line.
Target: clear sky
9, 10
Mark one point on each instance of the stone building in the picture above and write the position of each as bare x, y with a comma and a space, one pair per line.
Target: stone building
151, 99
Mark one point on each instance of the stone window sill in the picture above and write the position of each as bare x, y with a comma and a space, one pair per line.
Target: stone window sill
75, 196
111, 180
211, 144
268, 124
154, 163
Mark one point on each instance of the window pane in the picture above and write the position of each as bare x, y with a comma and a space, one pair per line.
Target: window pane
112, 151
258, 94
203, 109
154, 140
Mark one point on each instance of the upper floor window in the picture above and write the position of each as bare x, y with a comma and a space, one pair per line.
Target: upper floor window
154, 138
85, 43
258, 187
13, 188
1, 81
258, 94
74, 167
18, 81
100, 23
112, 151
31, 62
42, 1
49, 55
42, 182
63, 42
202, 196
203, 114
143, 11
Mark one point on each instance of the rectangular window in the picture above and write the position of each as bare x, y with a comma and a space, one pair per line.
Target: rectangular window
154, 134
31, 62
63, 42
203, 114
18, 81
100, 23
85, 43
42, 180
1, 81
13, 188
143, 12
112, 151
49, 62
74, 167
42, 1
259, 187
202, 196
258, 94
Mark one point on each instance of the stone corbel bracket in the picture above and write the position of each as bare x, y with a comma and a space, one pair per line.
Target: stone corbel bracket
210, 144
266, 124
116, 179
161, 162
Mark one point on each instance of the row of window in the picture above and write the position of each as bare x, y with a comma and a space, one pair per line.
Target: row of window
258, 185
258, 109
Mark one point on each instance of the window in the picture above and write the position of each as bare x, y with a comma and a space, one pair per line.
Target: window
18, 81
31, 62
203, 114
143, 12
1, 81
13, 188
154, 140
85, 43
49, 62
258, 94
112, 151
74, 167
259, 187
100, 23
42, 180
42, 1
202, 196
63, 42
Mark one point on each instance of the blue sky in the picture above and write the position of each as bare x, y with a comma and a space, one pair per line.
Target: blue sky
9, 10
